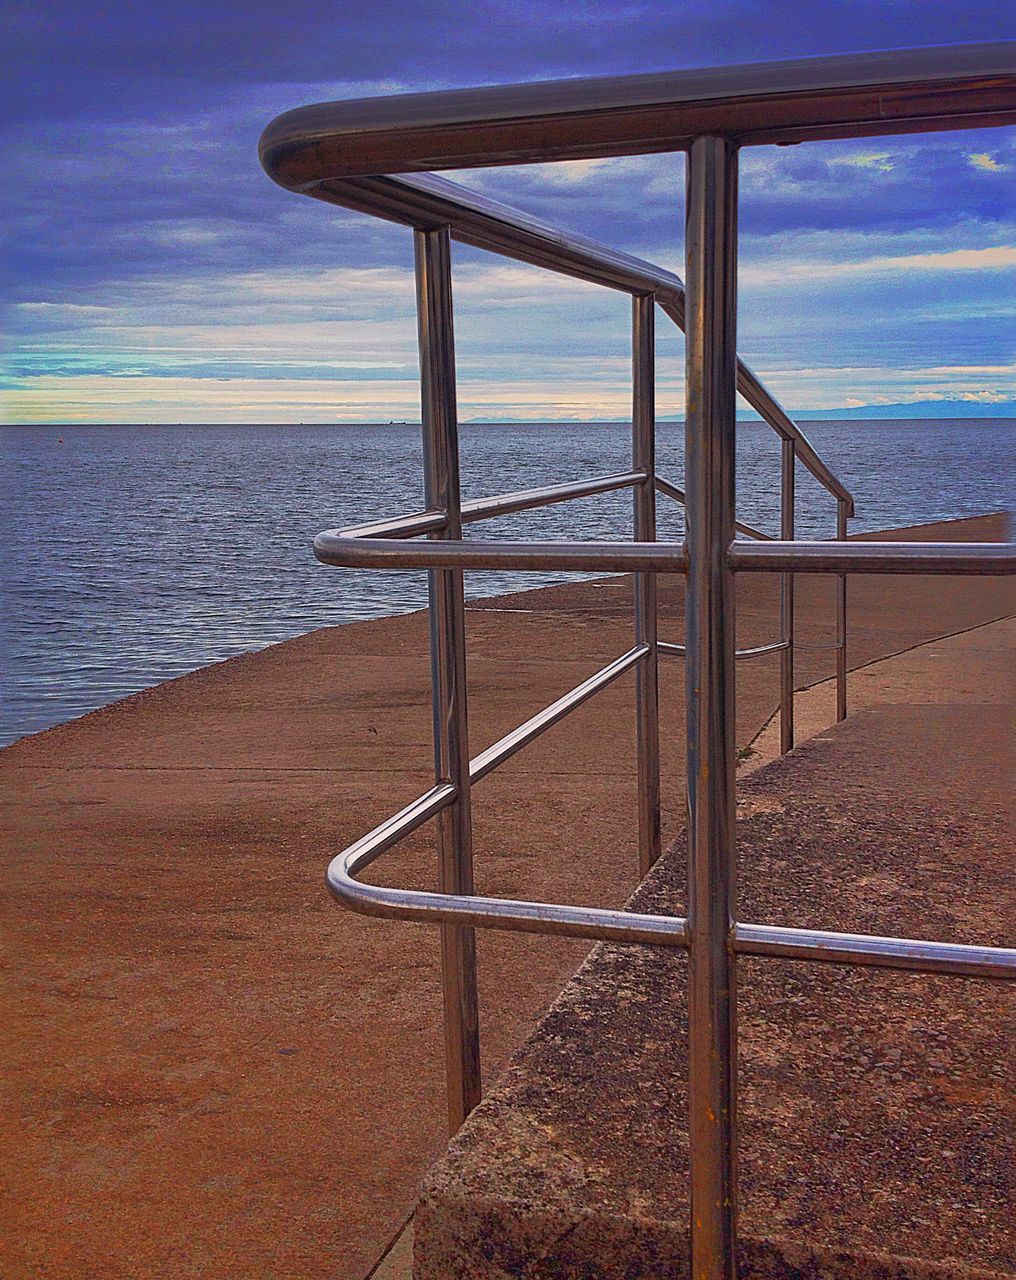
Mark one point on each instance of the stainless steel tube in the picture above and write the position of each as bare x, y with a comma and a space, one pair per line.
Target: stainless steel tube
774, 941
526, 499
331, 547
505, 747
954, 958
966, 559
854, 95
841, 621
598, 924
740, 655
672, 491
419, 522
431, 200
448, 666
410, 526
647, 695
788, 489
387, 834
711, 255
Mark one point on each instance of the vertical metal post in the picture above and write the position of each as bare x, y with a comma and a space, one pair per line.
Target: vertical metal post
448, 665
787, 496
841, 620
647, 702
711, 264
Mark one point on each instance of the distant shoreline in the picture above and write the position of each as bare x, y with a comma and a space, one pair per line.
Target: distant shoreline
822, 416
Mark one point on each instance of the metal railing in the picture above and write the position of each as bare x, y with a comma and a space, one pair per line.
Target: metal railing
339, 152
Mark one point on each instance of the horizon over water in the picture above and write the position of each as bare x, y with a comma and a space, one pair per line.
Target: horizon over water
134, 554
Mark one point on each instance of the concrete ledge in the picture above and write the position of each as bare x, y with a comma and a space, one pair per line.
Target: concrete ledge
211, 1071
874, 1136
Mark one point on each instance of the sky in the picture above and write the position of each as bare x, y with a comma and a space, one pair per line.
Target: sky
153, 273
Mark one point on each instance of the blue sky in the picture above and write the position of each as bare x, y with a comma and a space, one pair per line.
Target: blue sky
152, 273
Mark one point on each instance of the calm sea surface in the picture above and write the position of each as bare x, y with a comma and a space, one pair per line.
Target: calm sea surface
134, 554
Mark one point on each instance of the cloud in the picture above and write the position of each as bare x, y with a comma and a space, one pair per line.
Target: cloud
987, 163
146, 247
340, 343
880, 161
996, 258
96, 398
584, 387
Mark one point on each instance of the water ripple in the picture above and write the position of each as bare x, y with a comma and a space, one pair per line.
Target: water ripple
133, 554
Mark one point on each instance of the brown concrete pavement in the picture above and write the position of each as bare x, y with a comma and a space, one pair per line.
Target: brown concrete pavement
876, 1135
209, 1070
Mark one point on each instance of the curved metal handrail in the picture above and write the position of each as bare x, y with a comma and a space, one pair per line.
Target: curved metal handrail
596, 923
961, 559
893, 91
346, 153
630, 927
338, 548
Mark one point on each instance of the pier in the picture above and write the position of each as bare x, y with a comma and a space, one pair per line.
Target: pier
211, 1072
782, 1059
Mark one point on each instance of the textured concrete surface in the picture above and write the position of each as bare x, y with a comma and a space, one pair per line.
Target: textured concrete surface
876, 1108
210, 1071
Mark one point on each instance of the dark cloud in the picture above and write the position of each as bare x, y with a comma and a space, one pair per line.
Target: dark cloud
87, 57
130, 130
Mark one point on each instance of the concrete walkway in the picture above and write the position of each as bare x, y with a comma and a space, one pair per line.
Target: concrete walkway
209, 1071
876, 1108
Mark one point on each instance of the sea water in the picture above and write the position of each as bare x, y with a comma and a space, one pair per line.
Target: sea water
134, 554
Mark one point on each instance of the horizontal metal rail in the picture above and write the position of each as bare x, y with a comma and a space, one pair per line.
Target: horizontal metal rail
961, 558
898, 91
333, 547
956, 959
758, 651
675, 650
536, 725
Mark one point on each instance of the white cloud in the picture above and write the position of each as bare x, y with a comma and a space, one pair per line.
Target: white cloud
100, 398
982, 160
881, 161
530, 344
577, 389
997, 258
